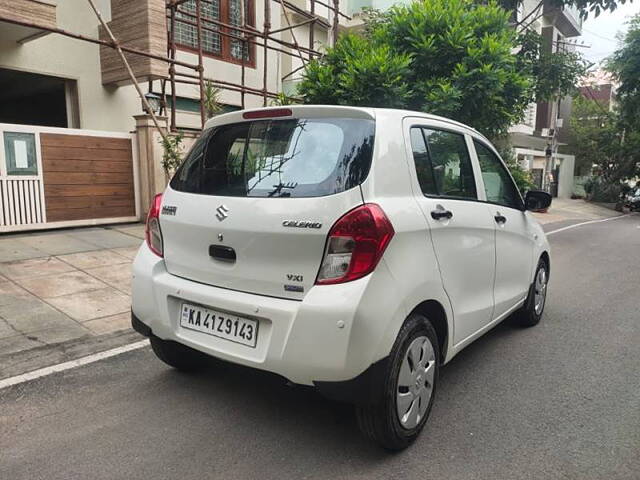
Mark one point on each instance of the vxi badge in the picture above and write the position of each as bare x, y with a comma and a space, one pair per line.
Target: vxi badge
301, 224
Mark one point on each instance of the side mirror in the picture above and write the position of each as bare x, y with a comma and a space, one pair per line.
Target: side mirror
537, 200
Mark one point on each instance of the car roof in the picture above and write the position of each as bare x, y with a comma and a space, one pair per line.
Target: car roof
339, 110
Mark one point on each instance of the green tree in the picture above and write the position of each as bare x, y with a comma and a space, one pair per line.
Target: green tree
601, 140
624, 64
447, 57
554, 74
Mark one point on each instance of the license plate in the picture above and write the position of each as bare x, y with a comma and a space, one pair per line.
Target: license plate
219, 324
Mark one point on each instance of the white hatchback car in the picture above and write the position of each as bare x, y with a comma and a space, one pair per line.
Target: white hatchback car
352, 249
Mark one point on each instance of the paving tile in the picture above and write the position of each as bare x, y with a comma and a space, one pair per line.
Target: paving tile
129, 252
18, 343
136, 230
12, 293
105, 238
92, 304
62, 284
60, 333
30, 314
13, 248
118, 276
98, 258
58, 244
36, 267
114, 323
6, 330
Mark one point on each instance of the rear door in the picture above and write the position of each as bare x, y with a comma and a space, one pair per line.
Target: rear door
251, 206
514, 237
462, 231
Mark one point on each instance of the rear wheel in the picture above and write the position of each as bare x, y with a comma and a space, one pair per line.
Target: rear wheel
531, 312
409, 388
177, 355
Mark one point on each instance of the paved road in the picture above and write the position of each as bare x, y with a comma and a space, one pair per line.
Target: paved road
559, 401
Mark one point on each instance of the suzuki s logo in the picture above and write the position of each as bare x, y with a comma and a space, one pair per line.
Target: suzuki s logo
222, 212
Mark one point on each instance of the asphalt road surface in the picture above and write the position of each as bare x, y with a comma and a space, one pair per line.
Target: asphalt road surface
558, 401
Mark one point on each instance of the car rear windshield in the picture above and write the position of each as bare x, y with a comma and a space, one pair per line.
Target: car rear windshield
309, 157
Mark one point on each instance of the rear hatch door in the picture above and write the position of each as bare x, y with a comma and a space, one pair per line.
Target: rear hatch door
251, 207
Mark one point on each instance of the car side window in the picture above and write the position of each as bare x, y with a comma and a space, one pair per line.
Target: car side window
424, 169
443, 164
498, 185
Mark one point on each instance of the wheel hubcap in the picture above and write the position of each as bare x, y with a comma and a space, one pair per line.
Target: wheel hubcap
415, 382
540, 291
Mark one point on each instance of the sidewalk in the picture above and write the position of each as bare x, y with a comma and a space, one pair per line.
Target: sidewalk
571, 211
64, 285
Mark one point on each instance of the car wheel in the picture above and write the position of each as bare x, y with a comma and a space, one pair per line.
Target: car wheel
409, 387
531, 313
177, 355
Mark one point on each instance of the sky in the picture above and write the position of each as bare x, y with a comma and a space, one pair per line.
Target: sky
599, 33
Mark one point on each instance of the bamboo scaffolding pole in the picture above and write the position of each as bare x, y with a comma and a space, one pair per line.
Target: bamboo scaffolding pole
106, 43
291, 27
129, 71
267, 26
172, 69
252, 42
203, 115
334, 28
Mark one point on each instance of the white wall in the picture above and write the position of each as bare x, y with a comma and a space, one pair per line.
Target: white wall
101, 108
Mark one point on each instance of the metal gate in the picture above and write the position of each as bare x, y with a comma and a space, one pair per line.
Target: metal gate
58, 177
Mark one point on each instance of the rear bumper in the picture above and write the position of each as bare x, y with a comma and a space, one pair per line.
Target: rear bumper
334, 335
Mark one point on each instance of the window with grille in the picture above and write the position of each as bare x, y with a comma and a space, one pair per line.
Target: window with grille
218, 41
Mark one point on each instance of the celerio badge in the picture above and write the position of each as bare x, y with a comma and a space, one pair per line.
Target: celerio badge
301, 224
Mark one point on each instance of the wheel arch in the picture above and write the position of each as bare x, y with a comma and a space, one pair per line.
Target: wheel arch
437, 315
547, 259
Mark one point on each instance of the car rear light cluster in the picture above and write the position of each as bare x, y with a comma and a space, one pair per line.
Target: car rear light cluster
267, 113
152, 231
355, 245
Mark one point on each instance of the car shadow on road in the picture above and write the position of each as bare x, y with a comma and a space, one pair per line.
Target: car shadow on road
262, 407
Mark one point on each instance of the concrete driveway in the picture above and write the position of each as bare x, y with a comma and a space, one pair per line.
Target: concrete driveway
62, 286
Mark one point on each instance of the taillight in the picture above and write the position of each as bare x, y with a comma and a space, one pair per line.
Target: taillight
355, 245
152, 231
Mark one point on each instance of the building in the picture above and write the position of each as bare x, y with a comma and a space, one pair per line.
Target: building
76, 146
600, 87
545, 127
75, 137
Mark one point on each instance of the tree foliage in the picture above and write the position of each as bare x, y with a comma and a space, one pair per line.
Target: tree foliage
624, 64
453, 58
554, 74
601, 140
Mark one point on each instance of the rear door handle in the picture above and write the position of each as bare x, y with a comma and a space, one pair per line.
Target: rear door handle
500, 218
439, 214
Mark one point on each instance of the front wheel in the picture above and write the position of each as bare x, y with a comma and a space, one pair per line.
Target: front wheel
531, 312
409, 388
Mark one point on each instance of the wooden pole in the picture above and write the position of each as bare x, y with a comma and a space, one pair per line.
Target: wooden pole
267, 27
203, 114
172, 69
129, 71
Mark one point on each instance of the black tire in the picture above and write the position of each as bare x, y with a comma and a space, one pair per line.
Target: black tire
379, 421
177, 355
527, 316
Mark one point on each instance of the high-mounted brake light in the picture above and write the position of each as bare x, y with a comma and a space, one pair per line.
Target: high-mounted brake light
355, 245
152, 231
271, 113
